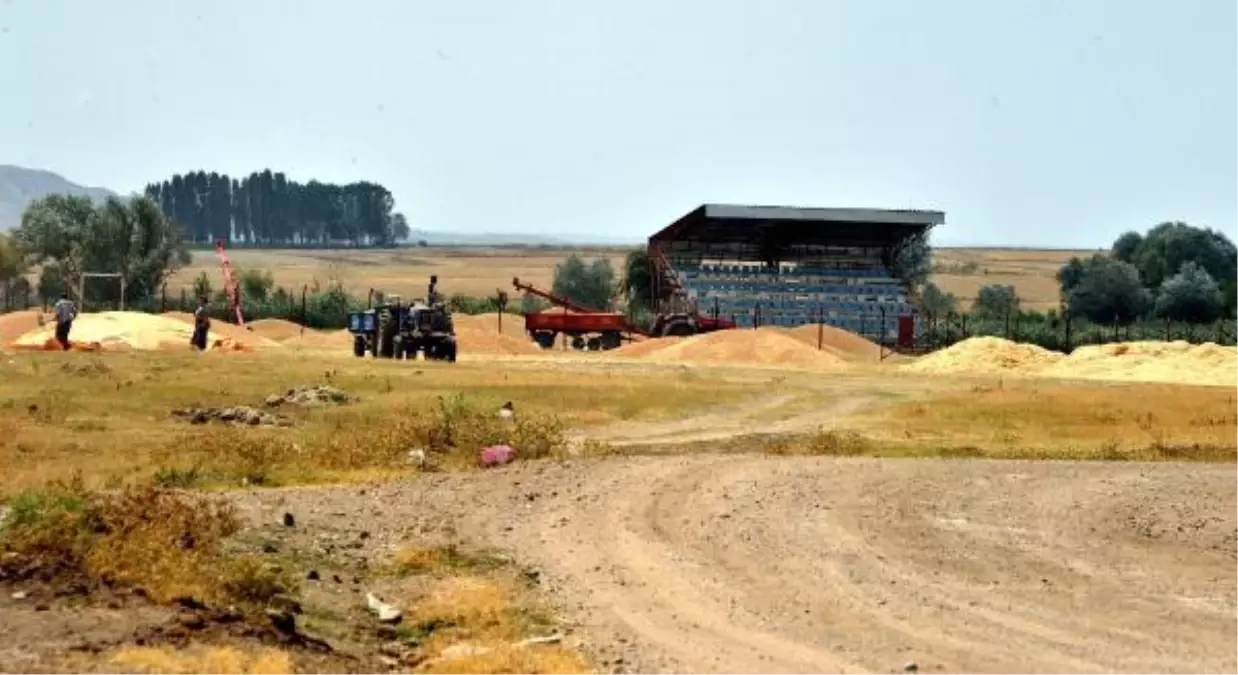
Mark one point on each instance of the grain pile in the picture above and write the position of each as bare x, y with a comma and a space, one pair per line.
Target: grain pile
1170, 362
475, 337
135, 330
219, 330
16, 324
842, 342
986, 355
642, 348
513, 324
331, 340
746, 347
276, 329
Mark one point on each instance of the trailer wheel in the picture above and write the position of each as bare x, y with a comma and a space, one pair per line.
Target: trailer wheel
410, 350
358, 346
578, 343
594, 344
545, 339
611, 340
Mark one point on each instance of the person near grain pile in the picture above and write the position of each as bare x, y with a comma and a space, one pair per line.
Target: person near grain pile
65, 312
201, 324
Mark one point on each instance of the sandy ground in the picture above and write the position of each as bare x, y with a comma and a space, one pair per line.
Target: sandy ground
756, 564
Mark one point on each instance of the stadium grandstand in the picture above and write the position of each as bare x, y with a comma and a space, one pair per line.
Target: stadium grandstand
783, 266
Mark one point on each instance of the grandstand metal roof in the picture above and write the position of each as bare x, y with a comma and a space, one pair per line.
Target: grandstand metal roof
729, 223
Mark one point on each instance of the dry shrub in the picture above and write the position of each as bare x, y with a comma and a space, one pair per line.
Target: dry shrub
443, 559
166, 660
460, 428
549, 659
166, 543
821, 442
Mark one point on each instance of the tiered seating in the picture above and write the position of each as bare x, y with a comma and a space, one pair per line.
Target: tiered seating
863, 300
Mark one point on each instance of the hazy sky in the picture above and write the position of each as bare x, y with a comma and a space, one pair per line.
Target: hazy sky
1054, 123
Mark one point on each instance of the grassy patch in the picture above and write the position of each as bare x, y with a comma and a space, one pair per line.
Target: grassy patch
1043, 420
202, 659
167, 544
54, 405
446, 559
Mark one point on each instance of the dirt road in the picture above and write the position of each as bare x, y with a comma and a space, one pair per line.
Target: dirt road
757, 564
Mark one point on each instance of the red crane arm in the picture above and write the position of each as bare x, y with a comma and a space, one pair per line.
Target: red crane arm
230, 287
554, 299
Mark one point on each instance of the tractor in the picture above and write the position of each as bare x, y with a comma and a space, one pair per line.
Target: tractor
396, 330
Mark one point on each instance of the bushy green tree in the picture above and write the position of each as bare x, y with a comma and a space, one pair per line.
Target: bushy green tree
1126, 246
130, 237
937, 302
1190, 295
996, 300
637, 281
912, 261
591, 284
1166, 247
255, 284
1104, 290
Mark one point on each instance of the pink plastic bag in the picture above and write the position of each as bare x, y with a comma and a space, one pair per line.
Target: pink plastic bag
496, 455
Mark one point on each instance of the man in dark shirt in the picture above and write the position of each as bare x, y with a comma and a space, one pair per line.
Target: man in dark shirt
65, 312
201, 324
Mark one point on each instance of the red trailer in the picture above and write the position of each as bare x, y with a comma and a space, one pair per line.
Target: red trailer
593, 329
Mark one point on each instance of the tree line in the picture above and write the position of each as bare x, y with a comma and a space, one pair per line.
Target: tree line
1173, 272
265, 208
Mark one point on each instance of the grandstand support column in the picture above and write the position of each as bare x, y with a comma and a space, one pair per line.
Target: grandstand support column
820, 327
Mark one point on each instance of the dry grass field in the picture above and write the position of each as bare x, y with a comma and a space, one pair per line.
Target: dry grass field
479, 271
716, 505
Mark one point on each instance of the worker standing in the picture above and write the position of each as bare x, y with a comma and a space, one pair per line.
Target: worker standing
201, 324
65, 312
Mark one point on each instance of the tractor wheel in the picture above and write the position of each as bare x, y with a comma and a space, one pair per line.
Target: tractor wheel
358, 346
372, 343
410, 350
449, 351
397, 347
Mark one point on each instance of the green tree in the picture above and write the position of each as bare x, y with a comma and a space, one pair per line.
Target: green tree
130, 237
1126, 246
256, 285
996, 300
637, 282
202, 286
12, 268
936, 302
1190, 295
1168, 246
399, 227
911, 261
1104, 290
591, 285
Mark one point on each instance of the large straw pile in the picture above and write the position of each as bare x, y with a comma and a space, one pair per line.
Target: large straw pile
841, 342
277, 329
740, 347
1174, 362
135, 330
986, 355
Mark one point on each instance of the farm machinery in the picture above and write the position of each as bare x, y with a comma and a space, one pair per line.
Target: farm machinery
395, 330
593, 329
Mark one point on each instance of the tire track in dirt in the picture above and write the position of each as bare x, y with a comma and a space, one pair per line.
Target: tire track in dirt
734, 563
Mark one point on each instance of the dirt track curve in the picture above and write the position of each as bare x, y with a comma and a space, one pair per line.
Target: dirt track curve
760, 564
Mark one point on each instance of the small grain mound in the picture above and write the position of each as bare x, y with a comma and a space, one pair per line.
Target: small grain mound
513, 324
644, 347
330, 340
135, 330
276, 329
986, 355
472, 338
15, 324
751, 347
1177, 362
843, 342
219, 329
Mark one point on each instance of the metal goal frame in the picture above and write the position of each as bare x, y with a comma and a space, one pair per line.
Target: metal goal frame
81, 286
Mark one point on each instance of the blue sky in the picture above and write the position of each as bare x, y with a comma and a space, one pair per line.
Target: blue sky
1045, 123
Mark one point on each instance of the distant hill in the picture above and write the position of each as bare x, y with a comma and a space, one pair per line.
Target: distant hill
447, 238
19, 186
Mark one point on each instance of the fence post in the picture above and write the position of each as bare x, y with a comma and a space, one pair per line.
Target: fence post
304, 317
820, 327
1007, 322
181, 307
1166, 329
163, 298
756, 318
1067, 344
